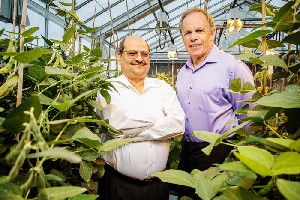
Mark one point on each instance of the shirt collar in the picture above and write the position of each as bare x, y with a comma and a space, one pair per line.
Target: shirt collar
211, 58
149, 82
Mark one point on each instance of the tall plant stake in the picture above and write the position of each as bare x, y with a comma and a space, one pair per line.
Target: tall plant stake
264, 46
21, 65
14, 20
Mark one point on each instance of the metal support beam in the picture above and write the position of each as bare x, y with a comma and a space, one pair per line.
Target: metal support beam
83, 4
45, 13
138, 12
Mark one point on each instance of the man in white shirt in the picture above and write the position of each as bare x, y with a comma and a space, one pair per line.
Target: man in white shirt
144, 108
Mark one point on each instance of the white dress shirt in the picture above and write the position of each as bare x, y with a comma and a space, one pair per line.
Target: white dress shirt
153, 117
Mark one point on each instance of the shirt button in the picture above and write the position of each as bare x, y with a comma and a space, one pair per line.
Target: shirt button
190, 87
189, 103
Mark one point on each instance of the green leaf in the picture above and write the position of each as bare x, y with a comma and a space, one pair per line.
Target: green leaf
220, 181
204, 188
272, 60
283, 11
89, 155
85, 136
59, 174
95, 104
245, 56
96, 52
234, 166
176, 177
58, 152
11, 188
290, 98
259, 160
69, 33
289, 189
62, 106
287, 163
86, 170
30, 31
48, 42
36, 72
67, 104
252, 44
250, 37
296, 145
238, 194
210, 137
65, 3
261, 113
58, 71
52, 177
207, 150
87, 119
8, 86
90, 30
77, 59
29, 56
114, 143
244, 180
64, 192
242, 111
231, 131
235, 85
272, 44
286, 25
9, 54
292, 38
16, 117
256, 61
4, 42
9, 196
106, 96
283, 142
45, 100
84, 197
209, 173
247, 87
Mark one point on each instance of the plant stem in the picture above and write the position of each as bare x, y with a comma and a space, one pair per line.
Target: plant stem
273, 131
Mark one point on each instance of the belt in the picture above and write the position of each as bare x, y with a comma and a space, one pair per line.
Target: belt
114, 172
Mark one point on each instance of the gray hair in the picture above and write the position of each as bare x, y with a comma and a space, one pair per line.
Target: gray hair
209, 18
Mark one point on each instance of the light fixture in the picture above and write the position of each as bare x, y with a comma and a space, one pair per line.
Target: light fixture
172, 52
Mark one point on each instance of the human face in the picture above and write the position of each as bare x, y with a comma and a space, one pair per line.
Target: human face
197, 36
135, 66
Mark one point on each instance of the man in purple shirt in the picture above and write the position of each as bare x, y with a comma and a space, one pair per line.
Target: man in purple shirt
203, 91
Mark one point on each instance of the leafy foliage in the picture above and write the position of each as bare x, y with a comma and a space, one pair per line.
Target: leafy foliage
50, 142
265, 161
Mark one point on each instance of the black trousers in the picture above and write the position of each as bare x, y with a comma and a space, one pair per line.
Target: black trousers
192, 157
116, 186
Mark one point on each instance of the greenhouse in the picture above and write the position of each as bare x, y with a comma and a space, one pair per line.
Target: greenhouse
150, 99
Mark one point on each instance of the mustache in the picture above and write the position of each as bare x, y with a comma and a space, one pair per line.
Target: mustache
135, 62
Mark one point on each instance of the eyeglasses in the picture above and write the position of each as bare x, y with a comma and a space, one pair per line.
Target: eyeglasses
134, 54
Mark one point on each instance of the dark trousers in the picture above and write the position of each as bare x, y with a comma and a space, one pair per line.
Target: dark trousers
192, 157
116, 186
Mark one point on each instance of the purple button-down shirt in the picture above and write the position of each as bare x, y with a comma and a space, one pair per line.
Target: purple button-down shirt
203, 93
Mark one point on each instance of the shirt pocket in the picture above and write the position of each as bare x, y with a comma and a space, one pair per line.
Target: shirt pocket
210, 99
